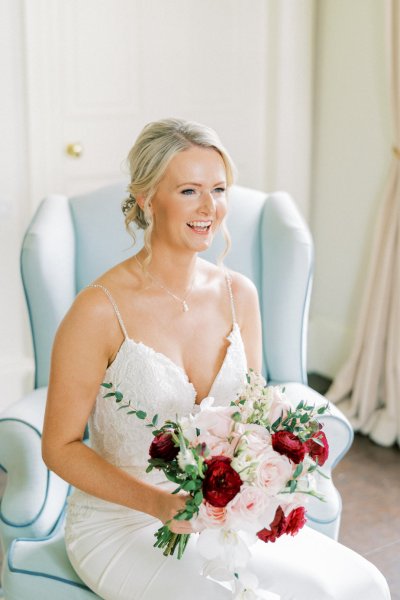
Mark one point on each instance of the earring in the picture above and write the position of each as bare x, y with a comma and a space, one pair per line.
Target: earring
128, 204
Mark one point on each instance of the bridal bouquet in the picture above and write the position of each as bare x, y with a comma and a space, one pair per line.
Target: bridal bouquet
248, 469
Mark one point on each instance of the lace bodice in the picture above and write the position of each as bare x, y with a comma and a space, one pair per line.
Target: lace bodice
154, 383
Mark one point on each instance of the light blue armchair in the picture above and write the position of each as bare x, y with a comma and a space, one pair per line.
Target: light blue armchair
69, 243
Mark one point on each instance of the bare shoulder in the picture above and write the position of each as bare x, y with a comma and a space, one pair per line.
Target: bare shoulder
244, 291
242, 286
91, 320
245, 296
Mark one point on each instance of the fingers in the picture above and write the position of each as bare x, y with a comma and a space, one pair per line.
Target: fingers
180, 526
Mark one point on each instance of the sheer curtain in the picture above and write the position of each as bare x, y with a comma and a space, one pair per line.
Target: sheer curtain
368, 385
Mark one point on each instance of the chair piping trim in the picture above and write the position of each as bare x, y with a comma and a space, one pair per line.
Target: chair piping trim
2, 517
54, 530
28, 304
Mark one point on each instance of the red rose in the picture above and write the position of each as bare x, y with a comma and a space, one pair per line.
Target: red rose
163, 447
221, 482
295, 520
318, 452
285, 442
276, 528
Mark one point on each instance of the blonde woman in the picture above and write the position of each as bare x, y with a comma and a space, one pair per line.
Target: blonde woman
170, 329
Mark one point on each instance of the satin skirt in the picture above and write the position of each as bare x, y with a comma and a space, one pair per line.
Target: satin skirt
111, 549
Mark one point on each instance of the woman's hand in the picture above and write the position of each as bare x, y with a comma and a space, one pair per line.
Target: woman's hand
169, 506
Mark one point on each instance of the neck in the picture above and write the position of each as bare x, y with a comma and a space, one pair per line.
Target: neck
176, 271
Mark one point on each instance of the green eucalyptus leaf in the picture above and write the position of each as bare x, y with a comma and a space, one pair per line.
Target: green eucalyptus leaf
173, 478
109, 395
189, 486
191, 470
198, 497
298, 471
276, 423
106, 385
141, 414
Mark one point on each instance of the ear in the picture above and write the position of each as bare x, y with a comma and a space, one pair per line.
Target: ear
140, 200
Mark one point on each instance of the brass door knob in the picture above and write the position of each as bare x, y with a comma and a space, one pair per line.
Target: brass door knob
75, 150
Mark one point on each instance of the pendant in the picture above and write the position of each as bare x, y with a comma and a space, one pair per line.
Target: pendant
185, 306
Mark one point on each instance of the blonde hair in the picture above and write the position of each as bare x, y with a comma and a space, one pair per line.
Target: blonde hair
148, 160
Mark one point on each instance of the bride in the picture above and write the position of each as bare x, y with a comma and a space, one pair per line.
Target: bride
170, 329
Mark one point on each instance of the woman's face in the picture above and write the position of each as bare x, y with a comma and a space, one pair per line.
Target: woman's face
190, 200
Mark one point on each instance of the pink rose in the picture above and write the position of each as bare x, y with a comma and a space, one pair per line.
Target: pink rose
210, 516
251, 508
216, 445
280, 406
274, 470
217, 421
254, 437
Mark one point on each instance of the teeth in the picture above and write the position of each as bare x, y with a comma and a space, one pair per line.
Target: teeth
202, 224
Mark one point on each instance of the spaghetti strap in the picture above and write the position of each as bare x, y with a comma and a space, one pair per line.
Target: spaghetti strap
114, 304
229, 286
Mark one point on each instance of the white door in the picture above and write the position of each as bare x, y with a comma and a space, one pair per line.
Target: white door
97, 70
83, 92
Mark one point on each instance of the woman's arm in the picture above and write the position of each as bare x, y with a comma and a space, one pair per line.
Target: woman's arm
248, 316
86, 342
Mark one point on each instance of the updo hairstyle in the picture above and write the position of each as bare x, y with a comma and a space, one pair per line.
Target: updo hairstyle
148, 159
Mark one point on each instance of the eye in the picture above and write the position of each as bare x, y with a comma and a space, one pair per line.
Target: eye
188, 191
219, 190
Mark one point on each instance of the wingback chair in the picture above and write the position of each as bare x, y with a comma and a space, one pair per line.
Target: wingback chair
69, 242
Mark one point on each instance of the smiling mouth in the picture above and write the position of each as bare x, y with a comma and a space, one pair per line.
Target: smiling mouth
200, 226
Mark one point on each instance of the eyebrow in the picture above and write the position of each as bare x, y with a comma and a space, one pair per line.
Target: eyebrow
199, 184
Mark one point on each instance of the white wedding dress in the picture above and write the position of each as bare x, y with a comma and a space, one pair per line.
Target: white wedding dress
111, 547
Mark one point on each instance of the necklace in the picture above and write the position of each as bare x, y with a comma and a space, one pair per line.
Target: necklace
185, 306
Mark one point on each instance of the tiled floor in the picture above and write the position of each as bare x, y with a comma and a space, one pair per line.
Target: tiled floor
368, 479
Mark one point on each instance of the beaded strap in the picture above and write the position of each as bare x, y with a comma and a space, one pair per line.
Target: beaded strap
229, 286
114, 304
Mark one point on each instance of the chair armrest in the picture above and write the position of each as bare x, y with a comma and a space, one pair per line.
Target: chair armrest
48, 274
287, 252
34, 497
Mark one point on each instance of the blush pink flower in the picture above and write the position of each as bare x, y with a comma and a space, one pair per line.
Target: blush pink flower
217, 421
254, 437
218, 446
251, 508
273, 471
279, 406
210, 516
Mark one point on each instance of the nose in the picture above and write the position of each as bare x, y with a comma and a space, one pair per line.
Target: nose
208, 202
